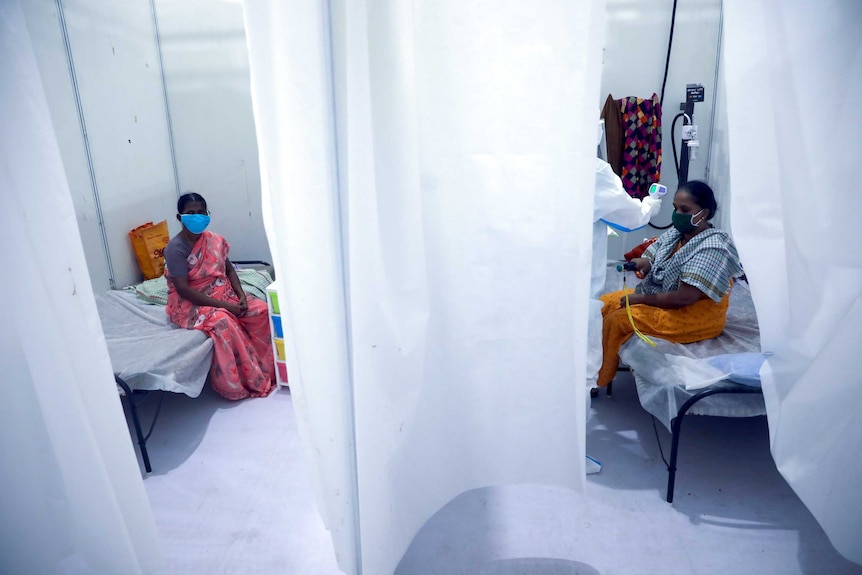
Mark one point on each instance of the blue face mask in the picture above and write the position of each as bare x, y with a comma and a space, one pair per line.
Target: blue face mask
195, 223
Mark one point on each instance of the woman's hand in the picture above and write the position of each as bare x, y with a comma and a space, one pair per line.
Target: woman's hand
684, 295
634, 299
234, 308
185, 291
239, 308
643, 266
230, 272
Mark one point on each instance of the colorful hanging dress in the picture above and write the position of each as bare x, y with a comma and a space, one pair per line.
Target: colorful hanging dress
641, 158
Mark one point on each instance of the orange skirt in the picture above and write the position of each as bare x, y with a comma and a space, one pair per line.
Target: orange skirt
701, 320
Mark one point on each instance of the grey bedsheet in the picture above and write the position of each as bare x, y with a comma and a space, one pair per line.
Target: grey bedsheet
148, 351
661, 385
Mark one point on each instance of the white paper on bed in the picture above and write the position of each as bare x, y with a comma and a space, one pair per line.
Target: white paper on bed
697, 373
148, 351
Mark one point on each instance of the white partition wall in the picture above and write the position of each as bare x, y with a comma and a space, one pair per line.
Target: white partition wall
430, 172
127, 90
50, 47
633, 64
122, 170
794, 72
209, 98
119, 81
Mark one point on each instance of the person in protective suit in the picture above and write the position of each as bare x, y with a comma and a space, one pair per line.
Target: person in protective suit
613, 209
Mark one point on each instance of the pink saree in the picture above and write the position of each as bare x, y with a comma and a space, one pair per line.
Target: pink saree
242, 356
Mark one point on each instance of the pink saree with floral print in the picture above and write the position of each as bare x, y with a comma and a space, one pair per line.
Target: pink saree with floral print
242, 353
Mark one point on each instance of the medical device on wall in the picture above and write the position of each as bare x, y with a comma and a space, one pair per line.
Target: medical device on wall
690, 144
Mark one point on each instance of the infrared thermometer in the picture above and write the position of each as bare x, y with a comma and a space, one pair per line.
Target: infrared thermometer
657, 190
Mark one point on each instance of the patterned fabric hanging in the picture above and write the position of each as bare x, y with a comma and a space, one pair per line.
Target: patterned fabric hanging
641, 161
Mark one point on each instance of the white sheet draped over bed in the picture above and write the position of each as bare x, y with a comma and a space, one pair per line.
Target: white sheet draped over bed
428, 169
71, 495
794, 76
140, 337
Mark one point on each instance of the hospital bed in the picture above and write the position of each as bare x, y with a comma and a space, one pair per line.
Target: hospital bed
149, 353
671, 378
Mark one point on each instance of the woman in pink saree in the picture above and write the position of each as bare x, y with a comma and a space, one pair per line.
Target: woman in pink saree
204, 293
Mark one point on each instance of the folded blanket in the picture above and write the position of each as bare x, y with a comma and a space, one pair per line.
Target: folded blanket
155, 291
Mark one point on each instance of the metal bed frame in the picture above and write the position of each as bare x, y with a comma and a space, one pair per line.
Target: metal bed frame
676, 422
676, 426
131, 400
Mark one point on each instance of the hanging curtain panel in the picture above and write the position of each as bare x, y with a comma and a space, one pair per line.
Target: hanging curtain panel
428, 175
793, 74
71, 495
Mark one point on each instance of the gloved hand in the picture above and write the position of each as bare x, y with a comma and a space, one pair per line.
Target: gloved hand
654, 205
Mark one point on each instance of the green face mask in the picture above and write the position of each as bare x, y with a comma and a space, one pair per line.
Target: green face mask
683, 222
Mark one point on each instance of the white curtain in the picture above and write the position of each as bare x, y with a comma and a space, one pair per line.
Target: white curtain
71, 495
429, 168
794, 76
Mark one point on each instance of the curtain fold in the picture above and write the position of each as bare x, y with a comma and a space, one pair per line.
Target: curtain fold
793, 168
429, 172
72, 498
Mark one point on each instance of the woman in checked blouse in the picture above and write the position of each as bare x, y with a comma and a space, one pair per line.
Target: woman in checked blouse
687, 276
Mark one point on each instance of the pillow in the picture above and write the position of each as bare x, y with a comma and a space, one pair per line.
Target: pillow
743, 368
154, 291
639, 249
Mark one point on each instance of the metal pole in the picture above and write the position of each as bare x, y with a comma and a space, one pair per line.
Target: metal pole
340, 207
715, 89
165, 96
87, 152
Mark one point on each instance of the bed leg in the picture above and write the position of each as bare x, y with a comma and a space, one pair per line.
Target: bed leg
676, 430
142, 441
676, 426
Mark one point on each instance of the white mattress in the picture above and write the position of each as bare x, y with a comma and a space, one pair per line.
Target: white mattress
147, 351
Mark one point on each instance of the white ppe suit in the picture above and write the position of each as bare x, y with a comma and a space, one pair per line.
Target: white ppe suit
616, 209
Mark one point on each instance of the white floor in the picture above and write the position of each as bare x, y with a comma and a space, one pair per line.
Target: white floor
231, 495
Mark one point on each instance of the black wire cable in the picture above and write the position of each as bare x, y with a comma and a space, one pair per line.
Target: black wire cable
667, 59
660, 450
673, 141
661, 100
675, 160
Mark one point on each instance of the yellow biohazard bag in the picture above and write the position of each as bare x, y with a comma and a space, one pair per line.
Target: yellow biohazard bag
149, 241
